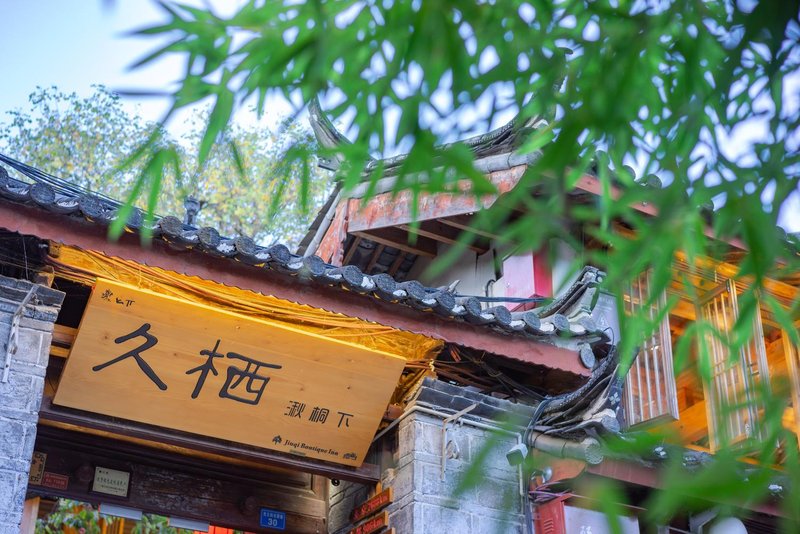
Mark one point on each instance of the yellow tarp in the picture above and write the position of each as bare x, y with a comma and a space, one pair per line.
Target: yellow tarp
86, 266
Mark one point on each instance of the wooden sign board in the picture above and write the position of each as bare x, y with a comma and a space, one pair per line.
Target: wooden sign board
374, 524
372, 505
155, 359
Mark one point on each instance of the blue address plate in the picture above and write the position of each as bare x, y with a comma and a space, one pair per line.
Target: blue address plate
272, 519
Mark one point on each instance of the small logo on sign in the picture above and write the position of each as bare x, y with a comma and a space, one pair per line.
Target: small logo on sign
272, 519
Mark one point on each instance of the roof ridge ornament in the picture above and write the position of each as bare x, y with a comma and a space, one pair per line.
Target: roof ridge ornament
505, 139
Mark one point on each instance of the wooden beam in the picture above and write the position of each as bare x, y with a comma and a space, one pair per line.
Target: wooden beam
29, 515
168, 484
64, 335
52, 415
59, 352
396, 238
446, 234
464, 223
397, 262
351, 250
652, 477
375, 255
593, 185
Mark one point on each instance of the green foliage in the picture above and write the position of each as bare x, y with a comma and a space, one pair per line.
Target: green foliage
79, 516
85, 519
156, 524
662, 85
95, 143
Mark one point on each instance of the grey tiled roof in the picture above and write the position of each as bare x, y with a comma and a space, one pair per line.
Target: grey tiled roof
568, 318
502, 141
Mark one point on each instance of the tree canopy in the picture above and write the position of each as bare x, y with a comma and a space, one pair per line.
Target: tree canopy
87, 141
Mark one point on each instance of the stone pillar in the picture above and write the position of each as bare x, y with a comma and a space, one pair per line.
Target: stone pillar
410, 456
25, 334
424, 502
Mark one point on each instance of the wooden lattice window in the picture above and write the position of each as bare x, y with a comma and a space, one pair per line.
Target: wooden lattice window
783, 359
731, 398
650, 383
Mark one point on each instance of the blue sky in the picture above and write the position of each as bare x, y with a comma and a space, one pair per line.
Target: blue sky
74, 44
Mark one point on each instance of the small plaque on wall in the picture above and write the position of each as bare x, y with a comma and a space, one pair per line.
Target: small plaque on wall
38, 462
111, 481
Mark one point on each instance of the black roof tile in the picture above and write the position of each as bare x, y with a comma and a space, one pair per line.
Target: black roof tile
566, 317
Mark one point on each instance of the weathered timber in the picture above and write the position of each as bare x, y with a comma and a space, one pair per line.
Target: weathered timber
169, 484
389, 209
399, 239
331, 247
51, 415
446, 234
465, 223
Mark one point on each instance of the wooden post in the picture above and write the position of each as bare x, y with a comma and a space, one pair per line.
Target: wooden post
29, 515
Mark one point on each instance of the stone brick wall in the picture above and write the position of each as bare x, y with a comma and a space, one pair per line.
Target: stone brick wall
341, 501
426, 503
21, 396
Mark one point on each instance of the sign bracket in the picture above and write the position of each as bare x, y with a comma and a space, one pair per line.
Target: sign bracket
13, 333
447, 420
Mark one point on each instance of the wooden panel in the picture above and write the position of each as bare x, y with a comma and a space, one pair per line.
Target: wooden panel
158, 360
331, 247
372, 505
372, 525
172, 485
389, 209
693, 423
200, 447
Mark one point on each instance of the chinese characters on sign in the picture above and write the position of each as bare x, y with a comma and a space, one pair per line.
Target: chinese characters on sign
149, 342
249, 393
111, 481
158, 360
254, 386
107, 294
